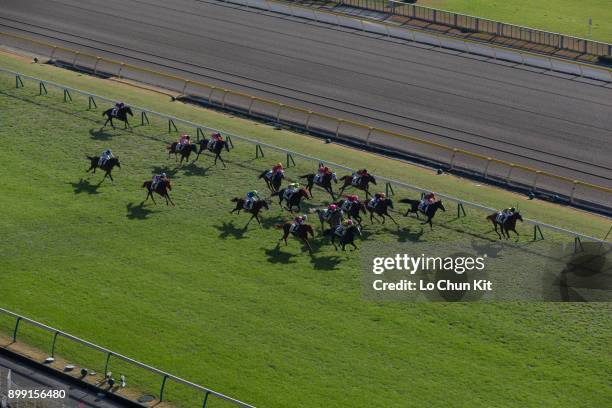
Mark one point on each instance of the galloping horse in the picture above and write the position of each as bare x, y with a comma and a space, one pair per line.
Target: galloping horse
429, 213
508, 225
381, 210
354, 210
121, 114
107, 166
347, 237
325, 182
294, 200
257, 206
214, 147
275, 181
185, 151
301, 233
162, 188
333, 219
362, 184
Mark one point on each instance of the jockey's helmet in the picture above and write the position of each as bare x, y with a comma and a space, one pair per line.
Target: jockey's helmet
254, 192
513, 209
279, 164
164, 175
333, 207
349, 222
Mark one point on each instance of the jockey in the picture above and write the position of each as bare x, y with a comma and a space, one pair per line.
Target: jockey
277, 168
251, 197
506, 213
291, 188
330, 210
378, 197
104, 157
358, 175
341, 229
185, 140
323, 170
350, 200
157, 179
118, 106
427, 199
216, 137
297, 221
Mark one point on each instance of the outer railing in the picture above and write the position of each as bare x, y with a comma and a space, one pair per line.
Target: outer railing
290, 155
489, 168
482, 25
165, 376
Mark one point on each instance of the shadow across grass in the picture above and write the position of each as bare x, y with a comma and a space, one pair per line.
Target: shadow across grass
228, 229
277, 255
138, 212
100, 134
84, 186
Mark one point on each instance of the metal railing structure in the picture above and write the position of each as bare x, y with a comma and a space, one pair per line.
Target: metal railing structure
165, 377
483, 25
489, 168
291, 156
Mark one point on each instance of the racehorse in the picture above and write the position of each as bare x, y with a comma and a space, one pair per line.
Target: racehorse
347, 237
257, 206
363, 184
382, 210
431, 209
301, 233
294, 201
214, 147
162, 188
333, 220
185, 151
508, 225
121, 114
107, 166
273, 183
325, 182
354, 210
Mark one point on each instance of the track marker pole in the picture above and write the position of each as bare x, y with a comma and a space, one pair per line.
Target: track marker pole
577, 244
67, 95
18, 81
258, 151
171, 126
42, 88
460, 210
199, 133
92, 102
290, 160
229, 141
537, 231
389, 190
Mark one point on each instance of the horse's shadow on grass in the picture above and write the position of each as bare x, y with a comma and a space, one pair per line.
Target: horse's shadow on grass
328, 263
84, 186
100, 134
192, 170
138, 212
228, 229
277, 255
271, 222
406, 234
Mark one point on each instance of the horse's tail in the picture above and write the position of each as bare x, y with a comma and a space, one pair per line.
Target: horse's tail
168, 147
235, 199
305, 176
279, 226
262, 175
145, 184
406, 201
90, 157
491, 217
276, 193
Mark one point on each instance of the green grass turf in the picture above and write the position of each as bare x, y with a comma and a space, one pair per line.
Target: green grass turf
184, 289
561, 16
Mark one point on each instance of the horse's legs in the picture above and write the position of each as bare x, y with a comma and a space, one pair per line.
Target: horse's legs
372, 217
108, 173
389, 215
220, 158
353, 244
497, 232
308, 245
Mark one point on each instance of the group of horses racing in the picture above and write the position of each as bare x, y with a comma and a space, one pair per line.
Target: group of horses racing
378, 206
